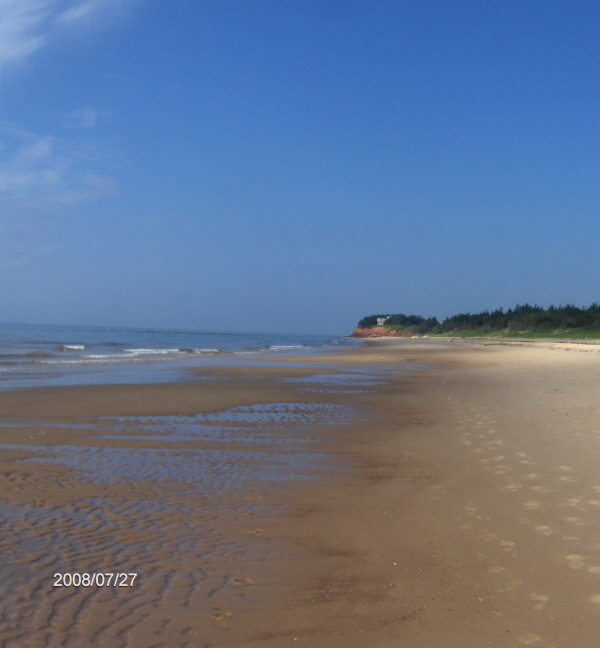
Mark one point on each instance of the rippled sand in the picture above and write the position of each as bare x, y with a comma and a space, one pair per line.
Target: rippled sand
174, 489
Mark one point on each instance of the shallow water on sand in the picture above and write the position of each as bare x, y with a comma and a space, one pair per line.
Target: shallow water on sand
232, 461
177, 500
208, 471
167, 509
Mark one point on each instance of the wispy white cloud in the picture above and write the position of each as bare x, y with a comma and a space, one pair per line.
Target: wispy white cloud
43, 173
85, 189
85, 117
22, 28
27, 26
81, 11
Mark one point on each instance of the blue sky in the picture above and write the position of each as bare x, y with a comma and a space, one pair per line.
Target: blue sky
293, 166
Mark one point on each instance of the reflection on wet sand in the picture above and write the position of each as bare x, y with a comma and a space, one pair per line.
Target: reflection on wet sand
173, 498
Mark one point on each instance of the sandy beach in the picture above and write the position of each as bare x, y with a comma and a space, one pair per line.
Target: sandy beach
411, 493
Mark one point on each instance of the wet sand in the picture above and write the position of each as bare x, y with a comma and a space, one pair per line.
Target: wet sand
352, 501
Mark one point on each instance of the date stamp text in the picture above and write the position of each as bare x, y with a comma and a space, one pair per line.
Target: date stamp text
99, 579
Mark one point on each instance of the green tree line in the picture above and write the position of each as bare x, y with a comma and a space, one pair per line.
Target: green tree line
522, 317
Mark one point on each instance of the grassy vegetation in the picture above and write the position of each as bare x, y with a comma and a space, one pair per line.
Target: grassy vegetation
408, 330
566, 334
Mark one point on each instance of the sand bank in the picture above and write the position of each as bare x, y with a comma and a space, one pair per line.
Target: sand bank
278, 506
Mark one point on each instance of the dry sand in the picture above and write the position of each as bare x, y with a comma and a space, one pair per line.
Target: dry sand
455, 506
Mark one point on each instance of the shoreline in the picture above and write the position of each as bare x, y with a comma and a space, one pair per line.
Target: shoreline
385, 332
458, 506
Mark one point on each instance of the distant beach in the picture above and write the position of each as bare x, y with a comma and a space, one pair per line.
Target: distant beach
397, 492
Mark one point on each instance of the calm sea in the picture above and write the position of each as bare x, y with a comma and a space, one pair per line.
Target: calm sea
40, 355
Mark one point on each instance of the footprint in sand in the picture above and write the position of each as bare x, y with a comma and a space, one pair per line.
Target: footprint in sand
243, 582
595, 598
540, 600
514, 487
574, 561
531, 476
507, 544
255, 531
546, 530
511, 583
531, 505
541, 489
221, 616
529, 639
496, 570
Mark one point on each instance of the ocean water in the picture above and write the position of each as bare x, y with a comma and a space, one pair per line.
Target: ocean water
43, 355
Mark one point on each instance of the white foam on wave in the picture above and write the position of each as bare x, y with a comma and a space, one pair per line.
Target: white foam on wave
125, 355
275, 347
187, 351
105, 356
72, 347
149, 351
